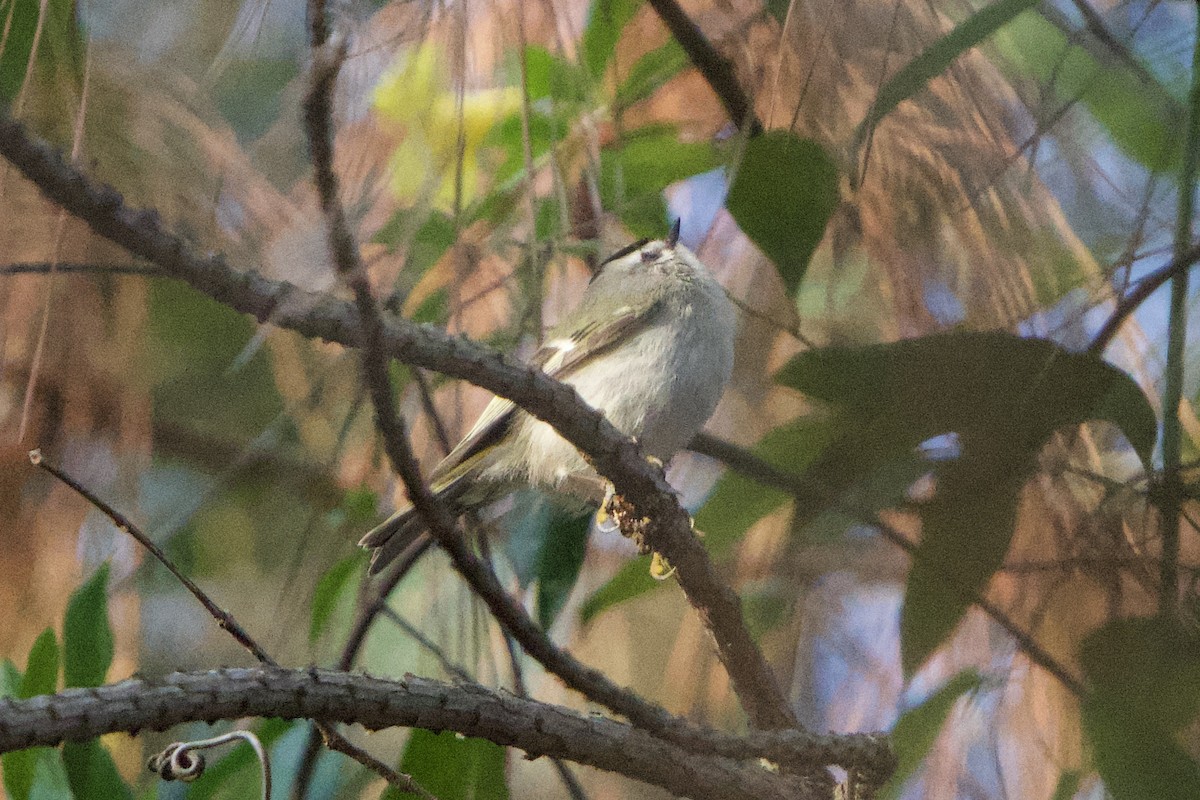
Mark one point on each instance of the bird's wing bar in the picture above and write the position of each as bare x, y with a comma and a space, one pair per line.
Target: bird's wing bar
558, 358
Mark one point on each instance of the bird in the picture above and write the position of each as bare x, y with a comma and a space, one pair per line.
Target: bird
650, 345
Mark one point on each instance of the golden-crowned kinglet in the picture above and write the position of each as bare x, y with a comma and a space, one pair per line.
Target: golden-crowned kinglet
650, 345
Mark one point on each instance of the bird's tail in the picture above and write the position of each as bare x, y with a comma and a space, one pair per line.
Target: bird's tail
404, 528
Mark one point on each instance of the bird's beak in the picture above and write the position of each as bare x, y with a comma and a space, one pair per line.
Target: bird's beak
673, 236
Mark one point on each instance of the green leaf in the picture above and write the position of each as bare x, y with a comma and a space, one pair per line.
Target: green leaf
913, 77
41, 669
783, 194
87, 637
632, 580
1141, 116
49, 776
427, 234
634, 174
453, 767
985, 382
650, 72
605, 23
917, 729
966, 530
1136, 756
548, 75
91, 771
59, 49
562, 554
206, 368
1004, 396
1150, 663
434, 308
1068, 785
10, 679
778, 9
330, 588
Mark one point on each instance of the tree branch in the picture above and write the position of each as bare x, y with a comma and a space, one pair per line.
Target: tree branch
334, 697
713, 66
318, 315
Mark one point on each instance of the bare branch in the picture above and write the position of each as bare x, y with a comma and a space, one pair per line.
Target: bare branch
335, 697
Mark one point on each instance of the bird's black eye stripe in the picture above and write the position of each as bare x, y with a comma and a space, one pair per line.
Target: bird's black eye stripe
650, 256
624, 251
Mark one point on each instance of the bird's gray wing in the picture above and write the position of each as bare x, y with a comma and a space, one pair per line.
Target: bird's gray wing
565, 351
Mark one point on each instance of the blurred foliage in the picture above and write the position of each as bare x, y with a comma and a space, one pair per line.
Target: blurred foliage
944, 165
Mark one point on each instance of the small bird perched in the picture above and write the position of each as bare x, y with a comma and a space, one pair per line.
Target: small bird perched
650, 345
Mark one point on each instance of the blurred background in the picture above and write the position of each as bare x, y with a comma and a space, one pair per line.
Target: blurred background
491, 152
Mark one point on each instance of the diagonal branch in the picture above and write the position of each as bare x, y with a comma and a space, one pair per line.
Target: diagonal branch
713, 66
318, 315
330, 697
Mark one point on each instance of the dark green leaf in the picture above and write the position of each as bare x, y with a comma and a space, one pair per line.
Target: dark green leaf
1136, 756
91, 771
330, 588
1151, 663
650, 72
453, 767
917, 729
975, 383
966, 530
434, 308
249, 93
632, 580
605, 23
426, 234
1004, 396
562, 555
913, 77
783, 194
87, 637
778, 9
359, 505
207, 369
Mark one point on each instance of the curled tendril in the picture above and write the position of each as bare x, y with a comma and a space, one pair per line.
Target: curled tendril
178, 762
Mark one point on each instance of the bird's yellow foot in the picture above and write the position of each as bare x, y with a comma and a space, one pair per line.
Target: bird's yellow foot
660, 568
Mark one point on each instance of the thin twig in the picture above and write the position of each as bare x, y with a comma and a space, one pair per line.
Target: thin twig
1146, 286
44, 267
1171, 492
224, 619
